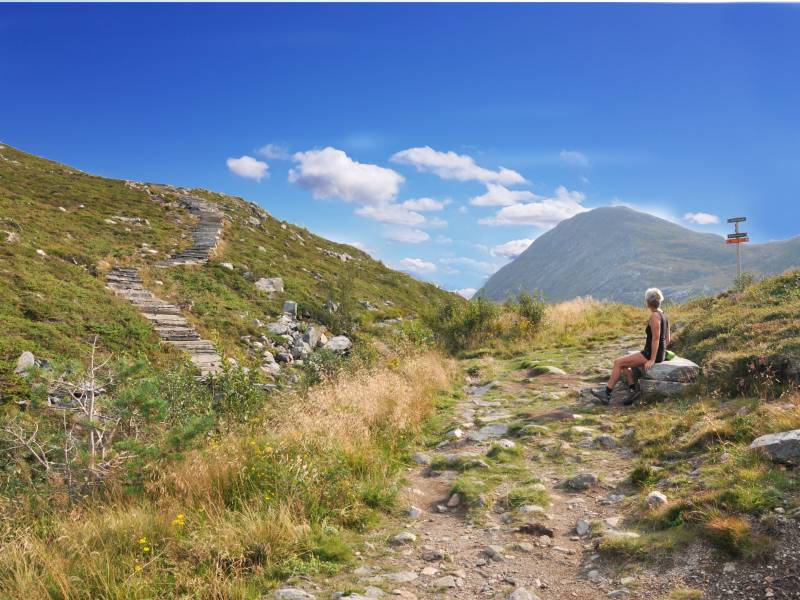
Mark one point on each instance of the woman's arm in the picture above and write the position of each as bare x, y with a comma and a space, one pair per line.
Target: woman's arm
668, 336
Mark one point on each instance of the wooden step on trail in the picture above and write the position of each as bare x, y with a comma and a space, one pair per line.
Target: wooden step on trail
206, 234
167, 319
171, 326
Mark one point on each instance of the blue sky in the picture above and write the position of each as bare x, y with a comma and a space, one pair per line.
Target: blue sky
438, 137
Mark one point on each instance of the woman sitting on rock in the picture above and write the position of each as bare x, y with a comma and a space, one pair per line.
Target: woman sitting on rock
655, 348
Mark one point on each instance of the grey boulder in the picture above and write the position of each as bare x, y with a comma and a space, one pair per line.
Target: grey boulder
270, 284
781, 447
25, 362
339, 343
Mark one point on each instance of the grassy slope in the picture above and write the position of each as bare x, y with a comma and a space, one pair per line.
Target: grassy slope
52, 305
696, 449
746, 338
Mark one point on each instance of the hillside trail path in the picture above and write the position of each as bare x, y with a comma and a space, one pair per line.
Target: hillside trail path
172, 327
458, 553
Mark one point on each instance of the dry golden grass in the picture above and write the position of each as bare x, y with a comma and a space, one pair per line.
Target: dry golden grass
351, 410
569, 311
250, 508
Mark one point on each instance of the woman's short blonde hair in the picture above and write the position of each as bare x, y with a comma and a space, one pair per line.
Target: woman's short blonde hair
653, 297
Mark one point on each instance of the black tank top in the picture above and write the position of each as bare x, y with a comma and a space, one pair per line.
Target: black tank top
662, 340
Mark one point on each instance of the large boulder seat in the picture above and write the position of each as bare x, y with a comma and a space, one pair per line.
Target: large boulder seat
668, 379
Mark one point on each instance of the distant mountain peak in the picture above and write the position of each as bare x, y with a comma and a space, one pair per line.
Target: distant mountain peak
616, 252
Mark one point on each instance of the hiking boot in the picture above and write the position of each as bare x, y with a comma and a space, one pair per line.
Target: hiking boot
632, 397
601, 394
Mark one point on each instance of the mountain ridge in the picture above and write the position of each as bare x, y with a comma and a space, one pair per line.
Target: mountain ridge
615, 253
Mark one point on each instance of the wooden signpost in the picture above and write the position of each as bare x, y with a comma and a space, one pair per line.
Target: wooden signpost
738, 238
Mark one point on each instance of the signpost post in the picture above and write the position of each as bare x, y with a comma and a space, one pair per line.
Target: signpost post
738, 238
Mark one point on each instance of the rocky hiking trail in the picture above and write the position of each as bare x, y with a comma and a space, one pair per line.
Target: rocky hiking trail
171, 326
545, 476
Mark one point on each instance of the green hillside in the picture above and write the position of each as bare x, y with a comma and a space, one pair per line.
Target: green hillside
62, 229
615, 253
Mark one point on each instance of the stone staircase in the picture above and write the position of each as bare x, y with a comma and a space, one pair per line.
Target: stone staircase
171, 326
206, 234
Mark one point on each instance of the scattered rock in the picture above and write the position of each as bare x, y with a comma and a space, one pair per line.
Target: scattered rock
493, 552
536, 529
290, 308
405, 537
448, 581
523, 547
547, 370
583, 527
454, 501
25, 362
312, 336
531, 509
781, 447
656, 499
227, 265
339, 343
421, 458
582, 481
432, 554
605, 441
270, 284
495, 430
522, 594
414, 512
506, 444
402, 576
455, 434
292, 594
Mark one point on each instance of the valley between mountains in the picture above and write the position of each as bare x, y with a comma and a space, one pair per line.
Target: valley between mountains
202, 401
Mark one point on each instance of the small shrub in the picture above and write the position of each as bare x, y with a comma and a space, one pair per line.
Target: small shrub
730, 534
461, 326
531, 308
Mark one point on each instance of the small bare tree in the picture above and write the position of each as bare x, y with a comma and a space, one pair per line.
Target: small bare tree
88, 425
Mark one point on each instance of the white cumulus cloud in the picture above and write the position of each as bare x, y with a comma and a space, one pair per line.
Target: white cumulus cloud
449, 165
395, 214
417, 265
248, 167
406, 235
499, 195
466, 292
544, 213
426, 204
330, 173
701, 218
274, 151
511, 249
470, 264
435, 222
573, 157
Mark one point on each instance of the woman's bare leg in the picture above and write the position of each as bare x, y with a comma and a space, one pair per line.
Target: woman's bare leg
628, 372
625, 362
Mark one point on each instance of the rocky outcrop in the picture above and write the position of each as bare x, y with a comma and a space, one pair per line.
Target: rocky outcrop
668, 379
779, 447
166, 318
